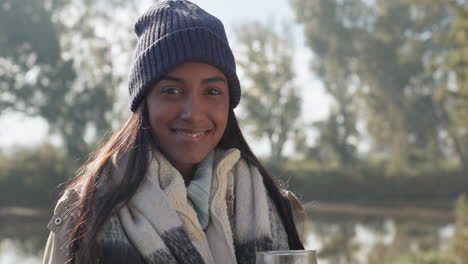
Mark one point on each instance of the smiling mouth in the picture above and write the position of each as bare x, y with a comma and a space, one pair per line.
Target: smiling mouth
194, 134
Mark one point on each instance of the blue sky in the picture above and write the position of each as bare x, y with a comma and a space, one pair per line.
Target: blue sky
17, 129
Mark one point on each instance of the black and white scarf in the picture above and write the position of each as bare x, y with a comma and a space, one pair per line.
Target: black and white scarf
159, 226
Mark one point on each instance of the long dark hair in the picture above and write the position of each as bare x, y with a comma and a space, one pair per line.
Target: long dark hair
135, 139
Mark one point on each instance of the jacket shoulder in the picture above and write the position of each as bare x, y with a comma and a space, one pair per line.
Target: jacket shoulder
243, 166
64, 216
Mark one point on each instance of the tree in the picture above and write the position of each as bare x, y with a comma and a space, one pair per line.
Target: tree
375, 53
30, 176
57, 64
451, 67
32, 68
271, 101
333, 142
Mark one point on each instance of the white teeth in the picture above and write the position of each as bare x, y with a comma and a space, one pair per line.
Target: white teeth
190, 134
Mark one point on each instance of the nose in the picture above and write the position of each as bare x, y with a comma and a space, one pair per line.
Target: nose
192, 109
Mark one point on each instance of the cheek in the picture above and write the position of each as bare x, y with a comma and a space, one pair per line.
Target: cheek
221, 117
158, 116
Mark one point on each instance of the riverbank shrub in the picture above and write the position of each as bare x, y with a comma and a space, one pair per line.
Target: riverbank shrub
31, 177
437, 188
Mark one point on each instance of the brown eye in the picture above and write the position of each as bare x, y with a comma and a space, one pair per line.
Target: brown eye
171, 90
213, 91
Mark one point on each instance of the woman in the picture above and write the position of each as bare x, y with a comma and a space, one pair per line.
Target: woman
177, 183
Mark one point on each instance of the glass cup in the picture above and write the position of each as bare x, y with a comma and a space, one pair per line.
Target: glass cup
286, 257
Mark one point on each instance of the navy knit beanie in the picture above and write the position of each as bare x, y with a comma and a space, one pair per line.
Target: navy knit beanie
173, 32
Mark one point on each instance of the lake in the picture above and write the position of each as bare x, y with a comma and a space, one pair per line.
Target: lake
375, 235
345, 235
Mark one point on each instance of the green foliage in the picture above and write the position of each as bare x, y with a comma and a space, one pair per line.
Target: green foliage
451, 67
371, 58
271, 100
370, 182
30, 177
90, 105
34, 77
56, 63
333, 143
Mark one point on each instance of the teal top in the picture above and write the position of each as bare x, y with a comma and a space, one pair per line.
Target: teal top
198, 190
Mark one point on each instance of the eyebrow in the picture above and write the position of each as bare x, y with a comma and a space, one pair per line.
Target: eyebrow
205, 81
172, 78
214, 79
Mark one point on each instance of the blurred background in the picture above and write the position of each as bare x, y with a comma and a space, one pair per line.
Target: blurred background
358, 106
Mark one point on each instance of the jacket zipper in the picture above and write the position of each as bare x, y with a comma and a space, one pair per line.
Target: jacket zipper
215, 214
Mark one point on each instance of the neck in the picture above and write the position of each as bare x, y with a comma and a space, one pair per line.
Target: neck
186, 170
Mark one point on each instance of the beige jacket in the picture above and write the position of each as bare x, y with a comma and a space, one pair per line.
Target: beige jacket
230, 169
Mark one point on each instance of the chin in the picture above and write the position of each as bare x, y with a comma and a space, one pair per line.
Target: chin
188, 156
194, 159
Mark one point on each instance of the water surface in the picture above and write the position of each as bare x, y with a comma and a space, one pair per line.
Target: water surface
338, 238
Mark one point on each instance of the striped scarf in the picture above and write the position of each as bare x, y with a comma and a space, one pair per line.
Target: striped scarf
158, 225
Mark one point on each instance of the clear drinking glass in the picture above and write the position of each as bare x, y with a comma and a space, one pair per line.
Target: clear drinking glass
286, 257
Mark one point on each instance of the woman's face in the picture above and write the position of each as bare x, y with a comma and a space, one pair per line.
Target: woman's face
188, 112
